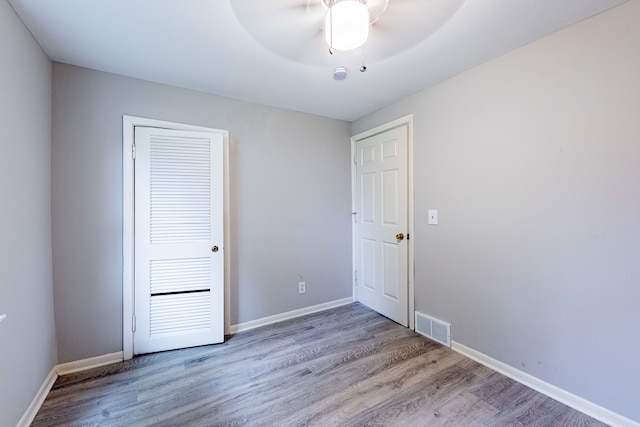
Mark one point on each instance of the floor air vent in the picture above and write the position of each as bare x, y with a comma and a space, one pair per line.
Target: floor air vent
434, 329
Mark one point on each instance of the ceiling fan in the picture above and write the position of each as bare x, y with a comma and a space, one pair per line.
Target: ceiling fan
297, 29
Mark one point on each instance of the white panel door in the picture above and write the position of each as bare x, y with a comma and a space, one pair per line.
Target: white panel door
382, 224
179, 253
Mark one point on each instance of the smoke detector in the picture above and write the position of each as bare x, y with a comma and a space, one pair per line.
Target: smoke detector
340, 73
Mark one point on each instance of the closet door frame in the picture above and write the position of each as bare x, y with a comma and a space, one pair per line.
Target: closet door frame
128, 138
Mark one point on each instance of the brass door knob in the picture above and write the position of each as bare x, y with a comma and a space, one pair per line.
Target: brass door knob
399, 236
214, 249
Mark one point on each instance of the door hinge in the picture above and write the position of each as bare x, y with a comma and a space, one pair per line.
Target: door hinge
355, 277
133, 323
355, 216
355, 160
133, 151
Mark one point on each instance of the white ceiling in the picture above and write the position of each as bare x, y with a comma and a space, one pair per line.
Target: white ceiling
201, 45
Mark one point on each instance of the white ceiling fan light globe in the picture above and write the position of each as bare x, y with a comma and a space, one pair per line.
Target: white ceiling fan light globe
350, 26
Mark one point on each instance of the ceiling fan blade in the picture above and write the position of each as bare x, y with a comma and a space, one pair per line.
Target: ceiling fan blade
290, 28
271, 9
436, 10
407, 23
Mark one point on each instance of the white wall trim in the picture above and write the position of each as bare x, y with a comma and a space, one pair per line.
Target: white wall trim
64, 369
289, 315
402, 121
556, 393
90, 363
128, 134
38, 400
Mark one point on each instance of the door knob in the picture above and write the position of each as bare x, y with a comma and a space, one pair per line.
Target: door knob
214, 249
399, 236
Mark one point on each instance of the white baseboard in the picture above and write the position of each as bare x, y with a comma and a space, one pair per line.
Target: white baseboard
556, 393
90, 363
288, 315
63, 369
35, 405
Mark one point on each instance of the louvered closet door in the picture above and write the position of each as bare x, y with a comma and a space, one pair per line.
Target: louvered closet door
179, 254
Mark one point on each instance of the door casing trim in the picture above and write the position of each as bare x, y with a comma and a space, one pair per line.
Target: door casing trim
128, 202
402, 121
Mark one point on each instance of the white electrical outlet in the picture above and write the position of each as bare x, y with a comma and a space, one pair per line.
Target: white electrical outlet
302, 287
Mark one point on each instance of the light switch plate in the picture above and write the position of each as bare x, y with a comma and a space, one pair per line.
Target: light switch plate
433, 216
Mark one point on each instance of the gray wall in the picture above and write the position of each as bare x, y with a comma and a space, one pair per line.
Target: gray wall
533, 161
27, 336
290, 202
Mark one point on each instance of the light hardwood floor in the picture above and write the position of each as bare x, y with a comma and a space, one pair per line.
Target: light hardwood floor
346, 366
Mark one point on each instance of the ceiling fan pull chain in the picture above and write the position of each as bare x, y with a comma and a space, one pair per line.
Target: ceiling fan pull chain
331, 50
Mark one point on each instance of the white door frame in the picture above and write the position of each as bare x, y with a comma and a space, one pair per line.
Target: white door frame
402, 121
128, 260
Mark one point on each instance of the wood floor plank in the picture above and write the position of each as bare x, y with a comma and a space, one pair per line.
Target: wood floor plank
343, 405
463, 410
346, 366
417, 403
333, 370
